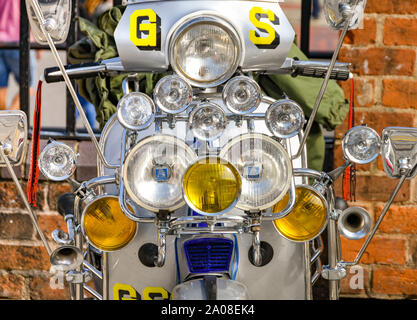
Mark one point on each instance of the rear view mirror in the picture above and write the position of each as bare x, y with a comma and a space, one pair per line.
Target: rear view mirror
337, 13
54, 15
13, 136
399, 151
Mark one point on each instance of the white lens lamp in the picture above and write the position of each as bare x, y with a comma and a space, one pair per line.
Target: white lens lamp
207, 121
57, 161
361, 145
284, 118
135, 111
172, 94
242, 95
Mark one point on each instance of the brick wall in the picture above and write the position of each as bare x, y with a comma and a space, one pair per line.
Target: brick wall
24, 262
383, 57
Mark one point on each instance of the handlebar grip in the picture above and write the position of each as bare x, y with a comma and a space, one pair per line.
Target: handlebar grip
318, 69
65, 204
74, 71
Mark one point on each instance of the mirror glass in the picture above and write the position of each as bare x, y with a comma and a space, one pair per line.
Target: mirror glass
399, 150
13, 136
56, 15
334, 13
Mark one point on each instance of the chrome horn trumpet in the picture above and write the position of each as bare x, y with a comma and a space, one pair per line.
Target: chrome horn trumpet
354, 223
66, 257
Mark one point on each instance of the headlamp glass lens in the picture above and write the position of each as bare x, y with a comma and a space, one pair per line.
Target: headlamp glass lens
242, 95
284, 118
361, 144
205, 53
306, 220
135, 111
172, 94
57, 161
211, 186
105, 225
208, 121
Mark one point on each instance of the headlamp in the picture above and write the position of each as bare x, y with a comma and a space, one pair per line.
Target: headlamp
265, 168
211, 186
284, 118
361, 144
57, 161
205, 50
172, 94
242, 95
135, 111
105, 225
153, 169
308, 218
207, 121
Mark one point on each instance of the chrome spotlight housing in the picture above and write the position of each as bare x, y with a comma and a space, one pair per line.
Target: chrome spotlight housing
205, 50
399, 151
361, 145
284, 118
207, 121
172, 94
153, 169
57, 161
242, 95
135, 111
265, 168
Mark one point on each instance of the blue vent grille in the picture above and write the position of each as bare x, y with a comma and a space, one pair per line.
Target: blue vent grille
208, 254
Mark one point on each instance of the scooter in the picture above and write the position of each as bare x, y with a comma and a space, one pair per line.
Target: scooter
203, 190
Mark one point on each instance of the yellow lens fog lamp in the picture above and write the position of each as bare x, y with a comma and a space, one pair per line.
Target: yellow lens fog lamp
308, 218
105, 225
211, 186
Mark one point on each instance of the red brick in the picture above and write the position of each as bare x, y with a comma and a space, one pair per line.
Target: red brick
49, 223
363, 36
23, 258
389, 6
40, 289
10, 197
375, 188
377, 120
394, 281
381, 250
399, 93
16, 226
400, 31
364, 91
351, 284
12, 286
379, 61
399, 219
54, 191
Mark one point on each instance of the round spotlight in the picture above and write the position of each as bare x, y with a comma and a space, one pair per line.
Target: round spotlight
153, 169
265, 168
308, 218
105, 225
284, 118
207, 121
361, 145
241, 95
172, 94
211, 186
135, 111
57, 161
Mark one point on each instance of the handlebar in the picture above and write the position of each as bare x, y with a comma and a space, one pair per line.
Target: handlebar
314, 69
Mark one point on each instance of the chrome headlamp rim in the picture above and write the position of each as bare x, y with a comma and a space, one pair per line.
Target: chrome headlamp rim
189, 88
347, 154
83, 231
132, 127
326, 206
285, 154
65, 146
198, 108
271, 109
202, 17
191, 205
257, 87
156, 137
